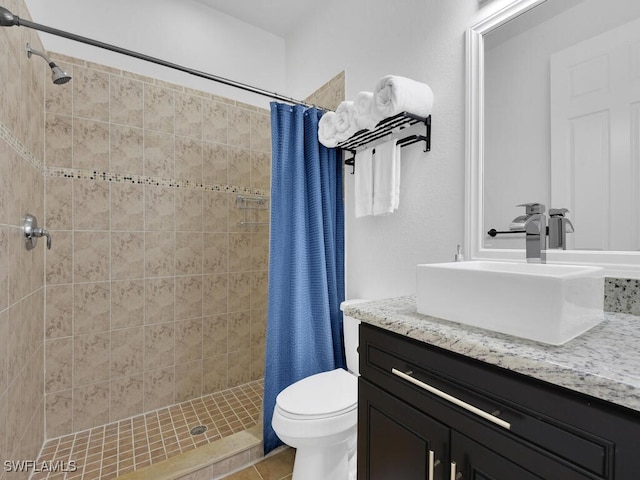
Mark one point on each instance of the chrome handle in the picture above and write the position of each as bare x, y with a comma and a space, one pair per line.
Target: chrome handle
32, 232
452, 399
454, 475
433, 463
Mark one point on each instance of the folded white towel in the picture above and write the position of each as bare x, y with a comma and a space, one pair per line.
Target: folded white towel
364, 183
386, 178
344, 120
366, 116
394, 94
327, 130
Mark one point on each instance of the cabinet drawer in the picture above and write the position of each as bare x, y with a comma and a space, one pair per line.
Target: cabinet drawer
498, 399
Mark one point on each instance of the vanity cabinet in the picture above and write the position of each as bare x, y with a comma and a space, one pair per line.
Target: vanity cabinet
426, 413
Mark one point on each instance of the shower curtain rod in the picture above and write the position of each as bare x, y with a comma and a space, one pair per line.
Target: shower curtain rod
7, 19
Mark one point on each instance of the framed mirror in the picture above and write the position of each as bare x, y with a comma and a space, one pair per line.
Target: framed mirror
553, 117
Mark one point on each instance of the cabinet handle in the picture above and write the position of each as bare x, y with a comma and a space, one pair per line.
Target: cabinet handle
452, 399
454, 475
431, 458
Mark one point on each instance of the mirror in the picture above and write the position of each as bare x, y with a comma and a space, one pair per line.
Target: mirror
553, 95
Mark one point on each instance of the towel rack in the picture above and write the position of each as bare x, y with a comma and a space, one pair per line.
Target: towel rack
385, 127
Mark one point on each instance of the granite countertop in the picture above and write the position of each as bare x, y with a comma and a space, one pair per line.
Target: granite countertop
603, 362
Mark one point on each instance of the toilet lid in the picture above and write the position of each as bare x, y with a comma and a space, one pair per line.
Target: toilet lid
322, 395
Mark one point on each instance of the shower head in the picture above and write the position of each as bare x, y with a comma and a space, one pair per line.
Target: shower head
58, 75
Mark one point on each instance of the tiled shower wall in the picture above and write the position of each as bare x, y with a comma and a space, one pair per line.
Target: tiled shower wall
154, 292
21, 271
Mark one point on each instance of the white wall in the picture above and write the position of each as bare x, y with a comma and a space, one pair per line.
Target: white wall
424, 40
179, 31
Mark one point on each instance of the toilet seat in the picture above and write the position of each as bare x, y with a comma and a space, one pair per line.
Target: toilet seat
324, 395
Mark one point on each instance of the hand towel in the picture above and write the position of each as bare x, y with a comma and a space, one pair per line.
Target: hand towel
327, 130
363, 190
366, 115
386, 178
394, 94
344, 120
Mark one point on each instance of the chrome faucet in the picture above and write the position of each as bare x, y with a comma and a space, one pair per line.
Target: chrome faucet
559, 226
534, 224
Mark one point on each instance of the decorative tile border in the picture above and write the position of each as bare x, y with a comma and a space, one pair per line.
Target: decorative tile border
57, 172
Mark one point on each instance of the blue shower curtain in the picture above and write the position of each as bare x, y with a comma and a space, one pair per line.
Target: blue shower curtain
306, 257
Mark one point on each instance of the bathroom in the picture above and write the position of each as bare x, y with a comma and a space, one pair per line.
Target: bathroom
125, 261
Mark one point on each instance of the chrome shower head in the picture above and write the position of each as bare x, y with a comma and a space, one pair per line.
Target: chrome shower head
58, 75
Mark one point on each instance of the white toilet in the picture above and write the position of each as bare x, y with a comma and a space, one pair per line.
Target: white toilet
318, 416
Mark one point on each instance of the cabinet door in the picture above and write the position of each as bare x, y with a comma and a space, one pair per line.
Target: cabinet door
396, 441
473, 461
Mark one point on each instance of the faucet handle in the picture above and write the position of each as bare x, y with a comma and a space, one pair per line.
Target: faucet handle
532, 208
558, 212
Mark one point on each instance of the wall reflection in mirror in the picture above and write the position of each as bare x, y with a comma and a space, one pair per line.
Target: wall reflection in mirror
562, 121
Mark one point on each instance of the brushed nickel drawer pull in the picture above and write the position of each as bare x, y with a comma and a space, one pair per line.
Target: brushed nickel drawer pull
452, 399
431, 465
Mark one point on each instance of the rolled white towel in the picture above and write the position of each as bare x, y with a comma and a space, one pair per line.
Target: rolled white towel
327, 130
367, 116
394, 94
344, 121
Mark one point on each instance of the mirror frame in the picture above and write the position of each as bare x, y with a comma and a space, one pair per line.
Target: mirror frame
616, 263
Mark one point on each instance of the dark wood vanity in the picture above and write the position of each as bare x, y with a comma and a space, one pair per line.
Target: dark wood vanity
428, 413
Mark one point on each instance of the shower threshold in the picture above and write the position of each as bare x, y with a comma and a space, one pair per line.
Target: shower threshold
118, 448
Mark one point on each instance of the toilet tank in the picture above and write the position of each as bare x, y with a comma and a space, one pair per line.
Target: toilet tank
350, 326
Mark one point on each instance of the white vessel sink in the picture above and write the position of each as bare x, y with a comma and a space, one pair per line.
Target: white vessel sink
546, 303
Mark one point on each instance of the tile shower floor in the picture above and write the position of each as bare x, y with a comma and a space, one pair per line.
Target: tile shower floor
110, 450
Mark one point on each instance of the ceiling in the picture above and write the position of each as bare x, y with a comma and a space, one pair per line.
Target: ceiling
275, 16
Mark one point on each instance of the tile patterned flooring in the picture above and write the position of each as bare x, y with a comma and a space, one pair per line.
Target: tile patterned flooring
276, 467
110, 450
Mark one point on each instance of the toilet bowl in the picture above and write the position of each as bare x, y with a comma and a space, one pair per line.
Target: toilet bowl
318, 416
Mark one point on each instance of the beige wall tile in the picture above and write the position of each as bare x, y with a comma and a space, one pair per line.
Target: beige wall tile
261, 170
91, 257
215, 294
214, 335
215, 253
159, 208
215, 373
258, 326
159, 111
188, 210
239, 371
91, 205
188, 115
127, 303
59, 407
90, 405
159, 300
127, 350
188, 158
4, 352
261, 132
126, 102
188, 380
91, 307
215, 211
90, 145
127, 149
188, 297
215, 163
127, 207
4, 267
59, 354
58, 146
159, 345
239, 132
59, 311
189, 257
188, 336
127, 397
214, 121
59, 260
127, 255
90, 94
160, 248
239, 252
259, 289
91, 358
59, 214
159, 154
240, 324
257, 362
159, 388
239, 292
239, 166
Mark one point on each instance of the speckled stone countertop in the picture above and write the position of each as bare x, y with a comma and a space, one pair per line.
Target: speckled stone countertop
603, 362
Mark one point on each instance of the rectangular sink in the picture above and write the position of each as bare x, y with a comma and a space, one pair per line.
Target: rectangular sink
547, 303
